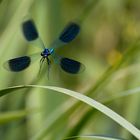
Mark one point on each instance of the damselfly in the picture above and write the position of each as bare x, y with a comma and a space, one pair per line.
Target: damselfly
31, 34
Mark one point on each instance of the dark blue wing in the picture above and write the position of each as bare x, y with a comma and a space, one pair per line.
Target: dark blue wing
20, 63
29, 30
71, 66
69, 33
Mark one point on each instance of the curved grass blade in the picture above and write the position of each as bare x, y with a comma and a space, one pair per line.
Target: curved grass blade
100, 137
71, 66
20, 63
102, 108
10, 90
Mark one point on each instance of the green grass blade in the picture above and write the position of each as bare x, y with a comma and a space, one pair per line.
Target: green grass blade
88, 115
100, 137
102, 108
10, 90
12, 116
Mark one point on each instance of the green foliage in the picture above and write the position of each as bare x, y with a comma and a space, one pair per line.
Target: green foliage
108, 45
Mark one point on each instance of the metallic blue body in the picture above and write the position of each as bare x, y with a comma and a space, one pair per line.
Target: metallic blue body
47, 52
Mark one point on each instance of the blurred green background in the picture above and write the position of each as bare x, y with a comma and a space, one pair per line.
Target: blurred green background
108, 29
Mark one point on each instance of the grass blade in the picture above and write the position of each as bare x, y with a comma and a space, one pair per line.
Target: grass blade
102, 108
100, 137
12, 116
